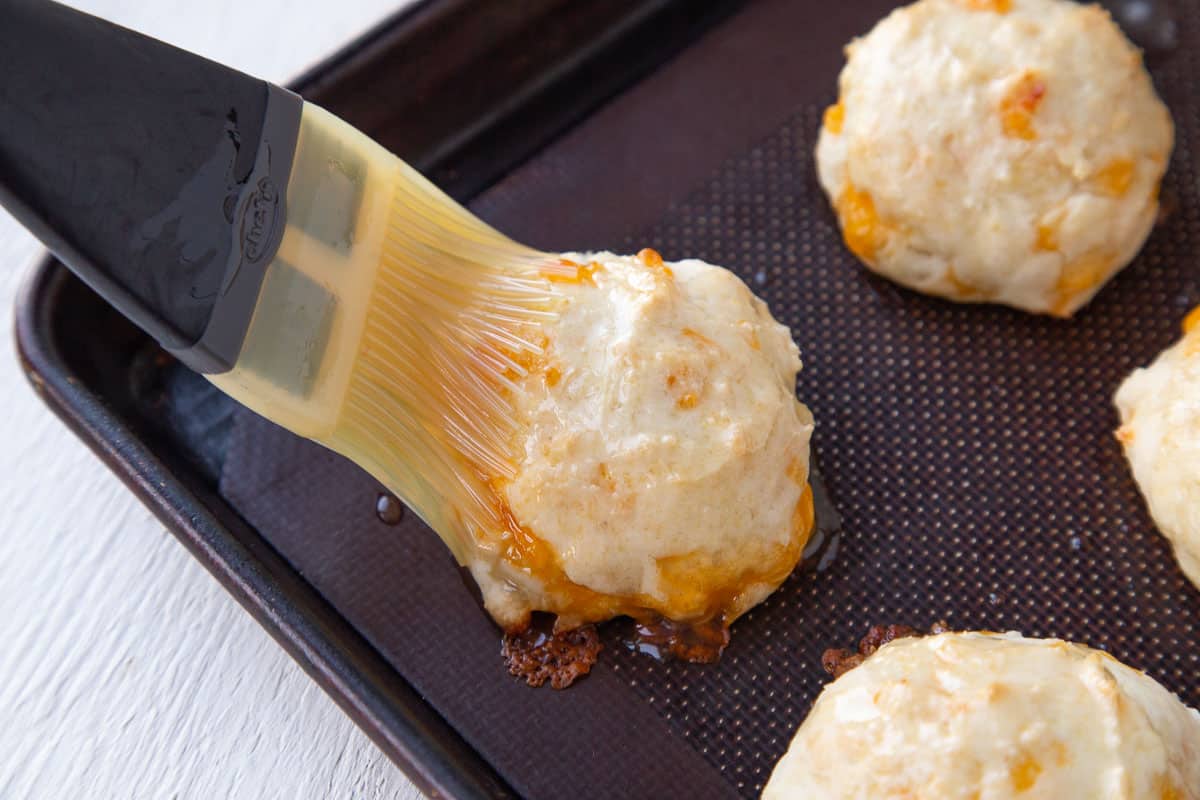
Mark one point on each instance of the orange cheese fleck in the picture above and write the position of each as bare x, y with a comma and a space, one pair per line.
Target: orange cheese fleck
1116, 177
1047, 239
1078, 277
584, 273
835, 118
1192, 320
1168, 790
553, 376
1024, 773
751, 334
688, 401
699, 337
606, 478
1020, 103
804, 515
998, 6
525, 362
861, 227
652, 259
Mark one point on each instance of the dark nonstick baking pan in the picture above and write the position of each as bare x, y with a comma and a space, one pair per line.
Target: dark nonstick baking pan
969, 450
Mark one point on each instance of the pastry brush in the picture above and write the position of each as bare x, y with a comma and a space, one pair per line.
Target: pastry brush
303, 269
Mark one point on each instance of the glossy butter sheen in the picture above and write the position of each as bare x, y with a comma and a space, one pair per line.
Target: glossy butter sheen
665, 459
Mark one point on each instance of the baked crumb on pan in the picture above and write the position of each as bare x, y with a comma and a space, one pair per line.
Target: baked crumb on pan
561, 657
838, 661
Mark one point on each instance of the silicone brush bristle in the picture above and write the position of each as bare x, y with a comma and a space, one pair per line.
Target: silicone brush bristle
455, 315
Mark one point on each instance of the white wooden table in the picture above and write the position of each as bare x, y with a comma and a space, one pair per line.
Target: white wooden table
125, 669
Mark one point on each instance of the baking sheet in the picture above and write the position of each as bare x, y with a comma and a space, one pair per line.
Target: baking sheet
968, 449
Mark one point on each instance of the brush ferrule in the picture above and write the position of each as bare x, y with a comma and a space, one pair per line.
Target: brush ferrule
257, 220
296, 357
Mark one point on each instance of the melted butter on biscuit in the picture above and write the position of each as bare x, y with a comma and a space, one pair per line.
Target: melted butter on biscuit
663, 469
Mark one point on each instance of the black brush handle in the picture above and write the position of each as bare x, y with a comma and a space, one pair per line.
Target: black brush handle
156, 175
